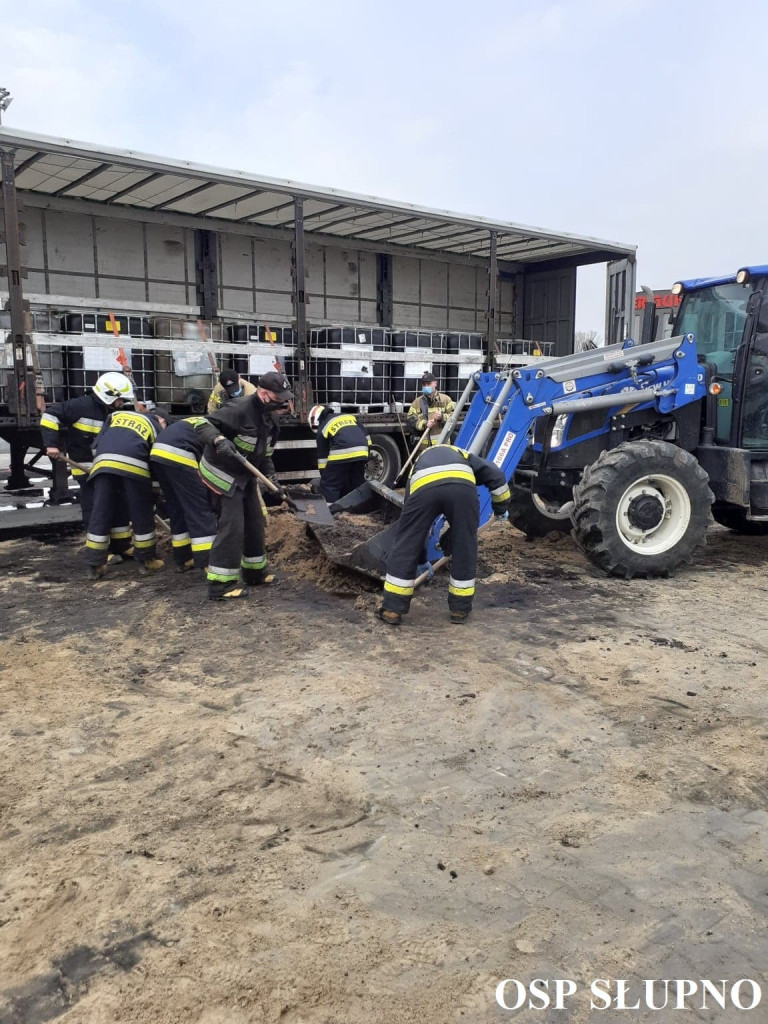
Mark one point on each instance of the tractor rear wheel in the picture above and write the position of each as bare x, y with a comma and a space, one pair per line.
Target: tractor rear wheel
642, 509
738, 522
534, 516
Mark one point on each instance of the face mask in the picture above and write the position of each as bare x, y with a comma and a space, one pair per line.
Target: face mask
236, 394
273, 406
427, 391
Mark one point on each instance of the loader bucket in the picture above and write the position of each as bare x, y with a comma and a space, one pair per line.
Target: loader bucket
364, 526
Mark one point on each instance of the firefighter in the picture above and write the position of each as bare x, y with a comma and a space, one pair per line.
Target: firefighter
247, 427
83, 418
230, 385
444, 481
122, 492
429, 409
174, 462
343, 447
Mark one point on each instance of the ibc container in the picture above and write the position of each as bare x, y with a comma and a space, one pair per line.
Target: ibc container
171, 327
448, 379
361, 382
174, 388
252, 333
99, 323
402, 340
350, 336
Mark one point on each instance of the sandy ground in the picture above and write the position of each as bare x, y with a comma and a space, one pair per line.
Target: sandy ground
283, 811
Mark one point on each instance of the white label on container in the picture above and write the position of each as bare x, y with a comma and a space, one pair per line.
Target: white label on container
413, 369
103, 359
190, 364
261, 363
356, 368
362, 340
503, 451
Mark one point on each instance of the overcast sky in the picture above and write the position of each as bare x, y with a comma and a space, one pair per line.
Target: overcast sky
639, 121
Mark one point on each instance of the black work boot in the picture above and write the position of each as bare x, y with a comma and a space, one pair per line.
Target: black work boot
459, 618
237, 593
390, 618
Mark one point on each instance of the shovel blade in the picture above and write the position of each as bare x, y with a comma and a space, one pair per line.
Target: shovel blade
370, 555
312, 510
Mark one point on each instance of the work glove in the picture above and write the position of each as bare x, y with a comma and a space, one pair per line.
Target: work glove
274, 498
501, 513
225, 447
425, 567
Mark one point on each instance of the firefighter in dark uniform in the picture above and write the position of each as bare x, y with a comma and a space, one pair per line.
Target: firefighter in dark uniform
343, 447
122, 490
444, 481
247, 427
174, 462
83, 418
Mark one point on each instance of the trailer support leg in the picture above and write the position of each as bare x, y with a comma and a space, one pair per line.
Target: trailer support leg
493, 288
298, 269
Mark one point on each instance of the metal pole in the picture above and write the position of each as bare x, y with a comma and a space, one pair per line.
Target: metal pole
453, 419
489, 423
493, 287
22, 383
306, 399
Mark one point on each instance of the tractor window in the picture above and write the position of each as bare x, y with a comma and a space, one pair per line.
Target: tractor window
715, 317
755, 432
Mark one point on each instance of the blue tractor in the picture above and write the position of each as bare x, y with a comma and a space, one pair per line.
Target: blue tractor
633, 447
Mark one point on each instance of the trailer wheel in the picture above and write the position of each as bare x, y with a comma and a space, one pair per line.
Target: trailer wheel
534, 516
738, 522
642, 509
384, 461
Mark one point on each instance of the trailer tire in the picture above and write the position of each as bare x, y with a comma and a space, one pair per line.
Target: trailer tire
738, 522
384, 461
642, 509
534, 517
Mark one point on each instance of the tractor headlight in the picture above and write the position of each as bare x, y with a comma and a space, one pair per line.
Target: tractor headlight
558, 431
677, 288
742, 277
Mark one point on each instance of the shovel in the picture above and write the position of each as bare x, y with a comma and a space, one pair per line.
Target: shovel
368, 556
309, 510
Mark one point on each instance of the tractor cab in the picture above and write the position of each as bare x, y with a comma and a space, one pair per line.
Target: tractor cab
728, 316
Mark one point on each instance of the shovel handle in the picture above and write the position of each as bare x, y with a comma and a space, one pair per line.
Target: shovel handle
441, 561
255, 472
412, 455
73, 464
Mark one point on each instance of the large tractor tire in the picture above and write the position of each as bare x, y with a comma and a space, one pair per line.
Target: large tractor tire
384, 461
738, 522
534, 516
642, 509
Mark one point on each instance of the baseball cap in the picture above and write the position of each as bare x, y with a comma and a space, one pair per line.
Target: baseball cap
278, 384
229, 381
428, 378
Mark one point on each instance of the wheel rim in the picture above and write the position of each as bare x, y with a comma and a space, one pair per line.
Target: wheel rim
551, 509
376, 467
653, 514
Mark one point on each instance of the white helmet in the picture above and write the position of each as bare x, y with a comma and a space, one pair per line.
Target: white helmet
314, 416
113, 385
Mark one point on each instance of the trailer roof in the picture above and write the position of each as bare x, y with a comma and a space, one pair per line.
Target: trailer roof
125, 179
